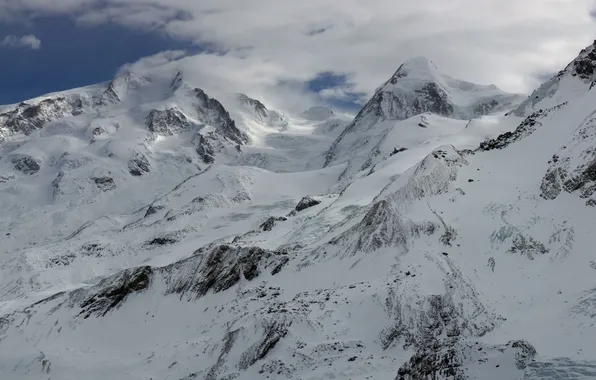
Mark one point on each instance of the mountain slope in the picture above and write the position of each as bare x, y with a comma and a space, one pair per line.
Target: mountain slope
463, 253
570, 83
417, 87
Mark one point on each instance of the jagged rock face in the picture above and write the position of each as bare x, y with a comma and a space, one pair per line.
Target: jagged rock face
573, 167
205, 147
219, 269
113, 291
138, 165
436, 363
306, 202
25, 164
460, 361
27, 118
271, 222
177, 81
167, 122
213, 269
104, 183
213, 113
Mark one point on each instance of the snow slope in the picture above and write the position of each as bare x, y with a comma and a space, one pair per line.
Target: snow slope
153, 232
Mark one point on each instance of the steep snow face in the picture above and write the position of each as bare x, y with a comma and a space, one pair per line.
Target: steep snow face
417, 87
163, 236
570, 83
261, 114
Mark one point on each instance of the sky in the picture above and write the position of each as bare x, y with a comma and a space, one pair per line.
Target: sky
292, 54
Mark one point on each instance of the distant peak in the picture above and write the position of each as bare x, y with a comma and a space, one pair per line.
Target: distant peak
415, 68
418, 64
256, 106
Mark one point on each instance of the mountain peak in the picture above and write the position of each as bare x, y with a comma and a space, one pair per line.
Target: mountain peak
417, 68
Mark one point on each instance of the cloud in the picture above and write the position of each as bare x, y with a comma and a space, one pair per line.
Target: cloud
266, 45
29, 41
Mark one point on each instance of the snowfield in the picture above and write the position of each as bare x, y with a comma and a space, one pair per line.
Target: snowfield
151, 231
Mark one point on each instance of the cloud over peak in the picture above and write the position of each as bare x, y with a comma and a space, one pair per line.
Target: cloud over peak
28, 41
267, 43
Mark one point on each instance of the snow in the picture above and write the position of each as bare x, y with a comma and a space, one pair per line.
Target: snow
429, 251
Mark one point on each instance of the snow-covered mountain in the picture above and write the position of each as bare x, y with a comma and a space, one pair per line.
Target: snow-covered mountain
152, 231
572, 82
417, 87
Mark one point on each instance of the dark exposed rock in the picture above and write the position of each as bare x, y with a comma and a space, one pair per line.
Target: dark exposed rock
218, 269
153, 209
584, 67
550, 188
525, 353
113, 290
92, 249
61, 261
138, 165
591, 202
573, 168
177, 81
204, 149
211, 112
163, 240
305, 203
269, 223
397, 150
104, 183
98, 131
27, 118
528, 246
450, 359
25, 164
491, 263
167, 122
436, 362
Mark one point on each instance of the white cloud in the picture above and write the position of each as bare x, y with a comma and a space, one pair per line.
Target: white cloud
29, 41
267, 42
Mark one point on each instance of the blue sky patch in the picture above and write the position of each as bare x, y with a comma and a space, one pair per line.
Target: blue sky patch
72, 56
344, 99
